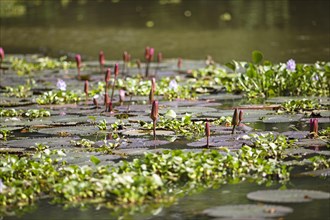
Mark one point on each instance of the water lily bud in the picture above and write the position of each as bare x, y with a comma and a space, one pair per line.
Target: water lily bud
116, 69
159, 57
151, 54
154, 110
146, 53
240, 116
235, 120
106, 98
95, 102
121, 95
151, 95
311, 125
86, 87
101, 58
78, 60
153, 84
138, 63
207, 129
316, 127
179, 63
2, 54
125, 56
109, 106
107, 75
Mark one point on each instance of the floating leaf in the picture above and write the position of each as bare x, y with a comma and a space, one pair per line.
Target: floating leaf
287, 196
248, 211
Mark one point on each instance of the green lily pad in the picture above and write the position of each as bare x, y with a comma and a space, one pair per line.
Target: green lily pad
28, 142
70, 130
221, 97
138, 132
282, 118
312, 143
315, 173
141, 143
248, 211
287, 196
296, 134
13, 102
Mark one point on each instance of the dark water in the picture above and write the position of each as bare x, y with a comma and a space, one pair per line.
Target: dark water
225, 29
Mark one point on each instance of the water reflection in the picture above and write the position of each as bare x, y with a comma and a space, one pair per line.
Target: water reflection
191, 29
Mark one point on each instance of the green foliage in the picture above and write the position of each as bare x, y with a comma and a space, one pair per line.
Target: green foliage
300, 106
154, 177
138, 86
24, 67
184, 126
20, 91
257, 56
58, 97
5, 133
30, 113
320, 162
102, 125
275, 80
257, 80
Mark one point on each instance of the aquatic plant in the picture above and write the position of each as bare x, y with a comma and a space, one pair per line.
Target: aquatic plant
235, 121
313, 127
79, 65
116, 72
61, 85
20, 91
23, 67
30, 113
149, 55
179, 64
299, 106
183, 126
2, 56
240, 117
291, 65
207, 134
122, 95
86, 85
154, 116
101, 60
152, 178
58, 97
126, 60
152, 90
4, 134
276, 80
102, 125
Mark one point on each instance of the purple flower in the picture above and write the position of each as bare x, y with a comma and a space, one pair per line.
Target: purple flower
61, 85
291, 65
173, 85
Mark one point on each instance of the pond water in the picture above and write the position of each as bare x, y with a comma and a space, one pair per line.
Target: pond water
226, 30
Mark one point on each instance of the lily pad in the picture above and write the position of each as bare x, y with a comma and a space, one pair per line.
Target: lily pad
138, 132
282, 118
287, 196
28, 142
248, 211
141, 143
70, 130
312, 143
221, 97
